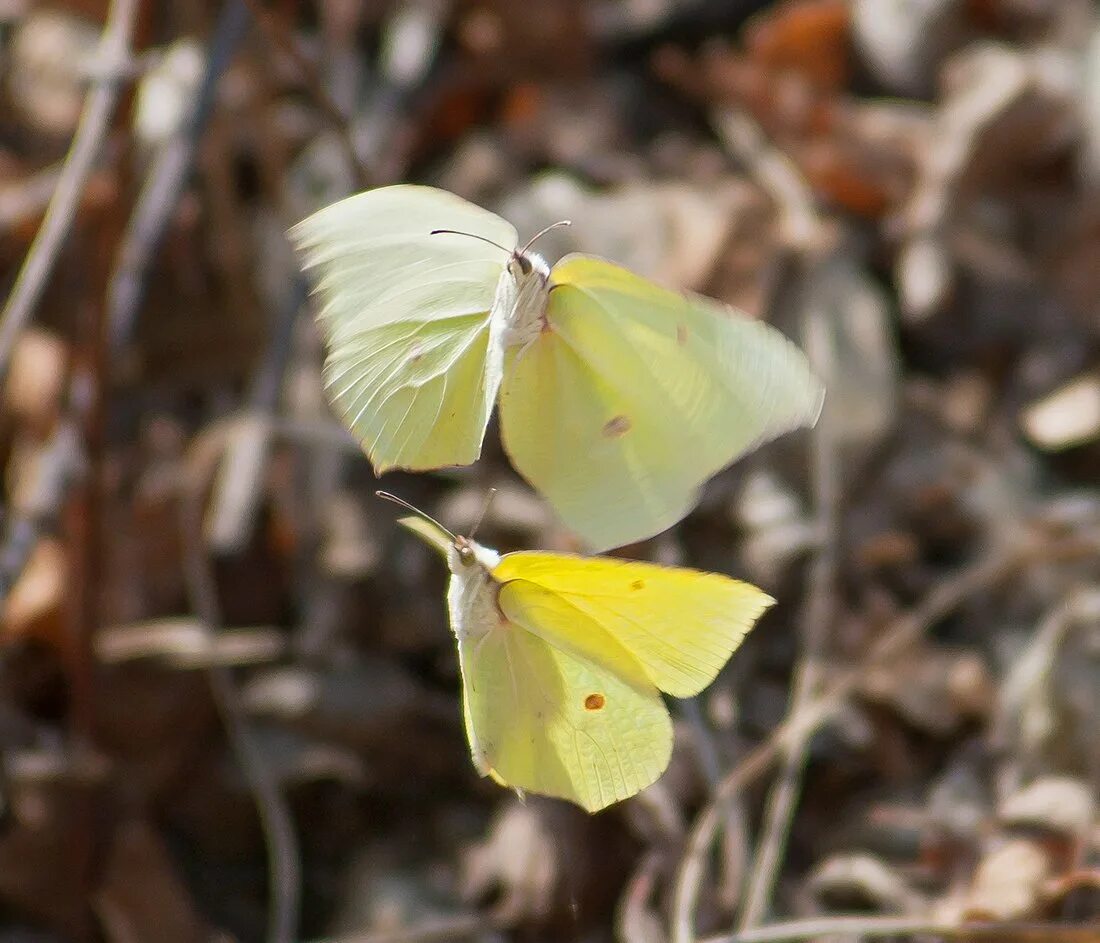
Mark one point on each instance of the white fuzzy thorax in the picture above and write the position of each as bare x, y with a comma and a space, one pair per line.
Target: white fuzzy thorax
521, 299
472, 593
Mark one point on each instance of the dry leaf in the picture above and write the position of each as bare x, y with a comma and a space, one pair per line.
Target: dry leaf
1008, 883
35, 607
141, 897
519, 860
1066, 417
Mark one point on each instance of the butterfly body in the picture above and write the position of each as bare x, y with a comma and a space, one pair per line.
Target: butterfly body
472, 593
564, 658
523, 297
618, 398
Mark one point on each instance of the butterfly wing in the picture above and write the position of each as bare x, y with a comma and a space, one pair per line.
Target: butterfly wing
414, 356
430, 532
679, 625
635, 395
545, 720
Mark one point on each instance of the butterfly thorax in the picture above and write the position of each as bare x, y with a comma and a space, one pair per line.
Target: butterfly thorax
472, 593
521, 297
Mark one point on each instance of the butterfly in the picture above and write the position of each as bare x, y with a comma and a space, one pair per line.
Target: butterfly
563, 659
618, 398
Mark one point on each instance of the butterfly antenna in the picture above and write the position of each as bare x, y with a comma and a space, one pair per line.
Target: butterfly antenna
401, 502
542, 232
472, 235
484, 510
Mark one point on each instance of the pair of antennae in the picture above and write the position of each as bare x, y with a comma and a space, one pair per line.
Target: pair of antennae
523, 251
401, 502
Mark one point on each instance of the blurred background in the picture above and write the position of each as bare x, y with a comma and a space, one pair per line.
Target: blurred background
228, 693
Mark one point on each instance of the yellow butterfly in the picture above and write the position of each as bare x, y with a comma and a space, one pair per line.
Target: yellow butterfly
618, 398
563, 659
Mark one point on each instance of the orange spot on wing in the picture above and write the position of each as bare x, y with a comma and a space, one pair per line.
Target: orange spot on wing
616, 426
594, 702
681, 334
638, 584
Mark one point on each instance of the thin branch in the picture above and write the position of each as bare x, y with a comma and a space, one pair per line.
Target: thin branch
277, 35
165, 181
873, 927
805, 236
58, 464
440, 930
903, 632
284, 862
775, 173
818, 613
112, 56
735, 841
238, 489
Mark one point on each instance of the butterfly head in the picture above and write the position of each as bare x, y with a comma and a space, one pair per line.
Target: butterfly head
461, 553
466, 553
523, 264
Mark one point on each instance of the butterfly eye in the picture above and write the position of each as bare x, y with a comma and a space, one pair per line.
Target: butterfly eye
523, 262
466, 555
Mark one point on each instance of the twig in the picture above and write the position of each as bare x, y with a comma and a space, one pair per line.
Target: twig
1027, 688
816, 620
284, 864
112, 54
905, 630
164, 183
633, 916
794, 930
277, 36
457, 927
238, 490
58, 464
799, 223
735, 830
804, 233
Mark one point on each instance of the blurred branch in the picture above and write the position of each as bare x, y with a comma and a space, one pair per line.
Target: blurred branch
277, 35
284, 862
164, 183
58, 465
112, 57
440, 930
238, 490
735, 832
815, 623
799, 223
941, 601
806, 237
873, 927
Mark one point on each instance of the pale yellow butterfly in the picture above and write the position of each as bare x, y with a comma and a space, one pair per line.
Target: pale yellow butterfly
618, 398
564, 659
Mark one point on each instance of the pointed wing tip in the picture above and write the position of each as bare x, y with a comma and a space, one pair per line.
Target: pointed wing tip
813, 414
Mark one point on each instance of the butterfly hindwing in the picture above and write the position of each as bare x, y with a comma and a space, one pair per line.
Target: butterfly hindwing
544, 720
417, 394
653, 392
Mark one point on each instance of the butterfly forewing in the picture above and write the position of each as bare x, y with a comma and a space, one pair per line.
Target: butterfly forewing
414, 355
368, 251
680, 626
